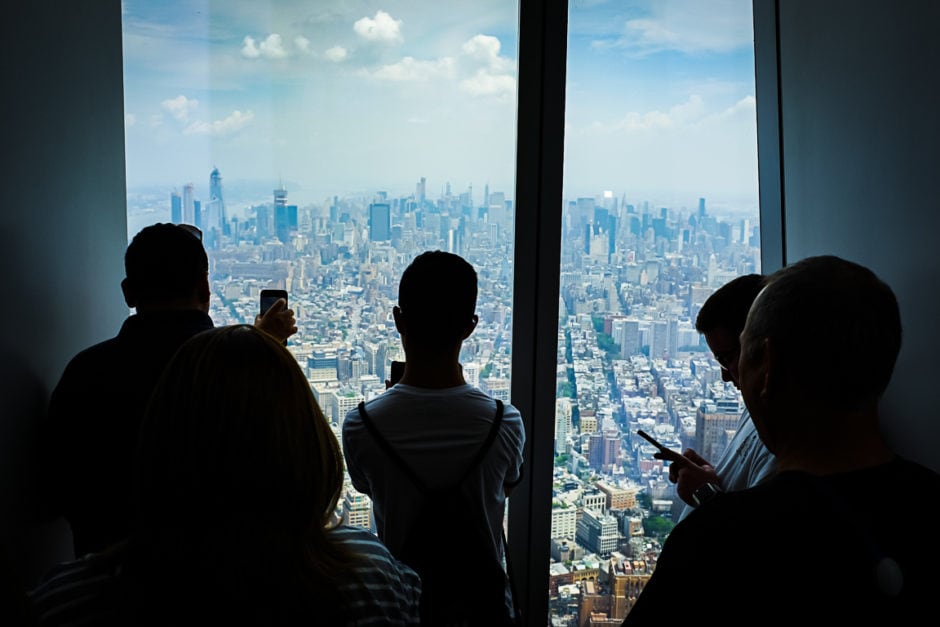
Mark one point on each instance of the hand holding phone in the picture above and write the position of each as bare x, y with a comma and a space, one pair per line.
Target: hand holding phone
664, 451
269, 297
279, 323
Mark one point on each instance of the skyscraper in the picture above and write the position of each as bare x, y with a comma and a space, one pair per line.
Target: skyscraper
189, 206
176, 207
281, 217
380, 222
214, 217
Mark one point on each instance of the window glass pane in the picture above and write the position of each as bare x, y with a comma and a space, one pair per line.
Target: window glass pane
661, 208
320, 146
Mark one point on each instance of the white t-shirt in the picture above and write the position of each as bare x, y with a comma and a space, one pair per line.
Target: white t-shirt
437, 432
744, 463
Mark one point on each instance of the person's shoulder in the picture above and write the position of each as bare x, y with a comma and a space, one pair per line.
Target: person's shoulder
367, 547
98, 353
79, 585
915, 472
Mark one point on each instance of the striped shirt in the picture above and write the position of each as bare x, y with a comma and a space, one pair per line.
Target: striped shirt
380, 590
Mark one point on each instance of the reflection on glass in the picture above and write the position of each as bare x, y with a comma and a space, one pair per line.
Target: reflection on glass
660, 210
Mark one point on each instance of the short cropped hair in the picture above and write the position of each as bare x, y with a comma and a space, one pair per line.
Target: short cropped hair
165, 261
437, 295
727, 307
836, 329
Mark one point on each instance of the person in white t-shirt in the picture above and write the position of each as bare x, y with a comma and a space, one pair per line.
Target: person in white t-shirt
432, 417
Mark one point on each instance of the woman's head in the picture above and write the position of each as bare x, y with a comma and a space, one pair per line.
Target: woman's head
233, 431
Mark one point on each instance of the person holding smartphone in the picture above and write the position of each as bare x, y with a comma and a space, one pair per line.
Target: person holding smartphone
89, 435
745, 461
818, 541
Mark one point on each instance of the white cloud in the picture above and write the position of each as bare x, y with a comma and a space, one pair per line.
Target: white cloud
688, 26
411, 69
336, 54
130, 120
745, 106
678, 115
180, 107
485, 49
221, 128
485, 84
383, 27
302, 43
479, 70
272, 47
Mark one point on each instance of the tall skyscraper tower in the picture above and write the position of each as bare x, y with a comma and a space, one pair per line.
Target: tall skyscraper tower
380, 222
189, 205
281, 218
215, 210
176, 207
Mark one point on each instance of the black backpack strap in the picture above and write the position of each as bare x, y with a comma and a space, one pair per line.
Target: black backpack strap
393, 454
494, 429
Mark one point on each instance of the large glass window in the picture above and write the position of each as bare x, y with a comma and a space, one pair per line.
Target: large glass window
660, 209
320, 146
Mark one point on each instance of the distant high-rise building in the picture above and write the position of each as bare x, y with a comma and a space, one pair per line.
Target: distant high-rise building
563, 413
380, 222
598, 532
357, 509
189, 207
715, 424
564, 520
421, 191
603, 450
176, 207
281, 218
215, 217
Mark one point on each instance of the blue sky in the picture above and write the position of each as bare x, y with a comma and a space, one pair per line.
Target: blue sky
355, 96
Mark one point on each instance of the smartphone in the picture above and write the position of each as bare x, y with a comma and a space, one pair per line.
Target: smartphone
269, 297
667, 452
398, 369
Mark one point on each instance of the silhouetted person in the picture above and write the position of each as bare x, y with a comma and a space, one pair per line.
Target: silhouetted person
745, 461
89, 436
237, 483
829, 538
436, 422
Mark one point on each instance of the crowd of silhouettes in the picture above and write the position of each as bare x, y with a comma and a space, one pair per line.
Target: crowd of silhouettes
201, 479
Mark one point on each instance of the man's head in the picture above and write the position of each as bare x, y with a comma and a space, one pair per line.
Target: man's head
166, 267
821, 339
721, 320
437, 298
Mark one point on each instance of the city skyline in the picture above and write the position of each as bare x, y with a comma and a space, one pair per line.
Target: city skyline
372, 95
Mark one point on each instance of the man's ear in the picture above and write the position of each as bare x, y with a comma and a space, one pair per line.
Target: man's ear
130, 297
204, 292
770, 373
399, 319
470, 327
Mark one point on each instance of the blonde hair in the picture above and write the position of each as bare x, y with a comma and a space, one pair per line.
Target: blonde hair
239, 472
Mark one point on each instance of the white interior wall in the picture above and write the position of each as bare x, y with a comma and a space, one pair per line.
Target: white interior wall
859, 100
63, 230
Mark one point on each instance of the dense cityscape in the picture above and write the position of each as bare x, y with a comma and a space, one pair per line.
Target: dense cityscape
633, 276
